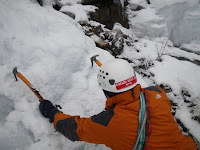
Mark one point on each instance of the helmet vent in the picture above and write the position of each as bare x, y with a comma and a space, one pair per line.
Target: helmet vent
103, 77
107, 73
112, 81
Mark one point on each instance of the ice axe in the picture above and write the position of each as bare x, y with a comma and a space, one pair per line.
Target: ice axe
93, 59
33, 89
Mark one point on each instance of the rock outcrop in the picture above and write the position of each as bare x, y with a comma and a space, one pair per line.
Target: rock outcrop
109, 12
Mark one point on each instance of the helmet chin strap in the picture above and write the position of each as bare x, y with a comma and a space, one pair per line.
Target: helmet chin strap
109, 94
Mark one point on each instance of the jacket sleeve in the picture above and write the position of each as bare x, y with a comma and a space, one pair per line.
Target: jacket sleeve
66, 125
83, 129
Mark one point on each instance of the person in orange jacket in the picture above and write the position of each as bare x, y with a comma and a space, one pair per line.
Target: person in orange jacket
119, 126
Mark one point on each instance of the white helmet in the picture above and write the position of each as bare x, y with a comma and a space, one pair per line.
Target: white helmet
116, 76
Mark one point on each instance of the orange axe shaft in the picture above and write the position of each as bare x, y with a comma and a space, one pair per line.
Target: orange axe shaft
98, 63
33, 89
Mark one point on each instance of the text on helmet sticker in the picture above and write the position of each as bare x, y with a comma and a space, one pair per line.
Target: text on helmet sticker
126, 83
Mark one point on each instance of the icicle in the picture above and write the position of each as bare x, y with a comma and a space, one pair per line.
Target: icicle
119, 2
122, 3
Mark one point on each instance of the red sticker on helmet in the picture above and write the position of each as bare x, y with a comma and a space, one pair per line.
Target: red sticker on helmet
126, 83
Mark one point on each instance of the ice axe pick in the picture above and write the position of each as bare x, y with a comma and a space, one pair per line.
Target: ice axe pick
93, 59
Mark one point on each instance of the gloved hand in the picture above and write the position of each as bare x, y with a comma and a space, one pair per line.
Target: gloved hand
48, 110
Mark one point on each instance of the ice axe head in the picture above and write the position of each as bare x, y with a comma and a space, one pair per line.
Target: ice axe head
93, 59
15, 72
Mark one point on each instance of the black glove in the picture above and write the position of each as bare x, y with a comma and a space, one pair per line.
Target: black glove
48, 110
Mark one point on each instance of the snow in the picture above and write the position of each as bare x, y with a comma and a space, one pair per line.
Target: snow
69, 2
192, 46
162, 3
191, 124
95, 38
80, 11
187, 76
52, 52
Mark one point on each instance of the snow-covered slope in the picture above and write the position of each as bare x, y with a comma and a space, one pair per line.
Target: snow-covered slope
52, 52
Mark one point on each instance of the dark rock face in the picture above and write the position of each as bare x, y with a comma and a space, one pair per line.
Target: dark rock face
108, 12
93, 2
40, 2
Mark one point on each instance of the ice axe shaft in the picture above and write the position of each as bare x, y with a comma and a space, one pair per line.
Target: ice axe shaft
98, 63
33, 89
93, 59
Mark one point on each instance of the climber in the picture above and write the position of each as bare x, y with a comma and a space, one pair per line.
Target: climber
134, 117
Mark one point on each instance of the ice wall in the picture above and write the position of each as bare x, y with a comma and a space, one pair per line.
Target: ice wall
183, 22
177, 20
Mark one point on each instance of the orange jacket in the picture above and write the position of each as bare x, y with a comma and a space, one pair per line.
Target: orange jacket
117, 126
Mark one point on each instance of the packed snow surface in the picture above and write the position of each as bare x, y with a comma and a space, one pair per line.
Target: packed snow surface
52, 52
